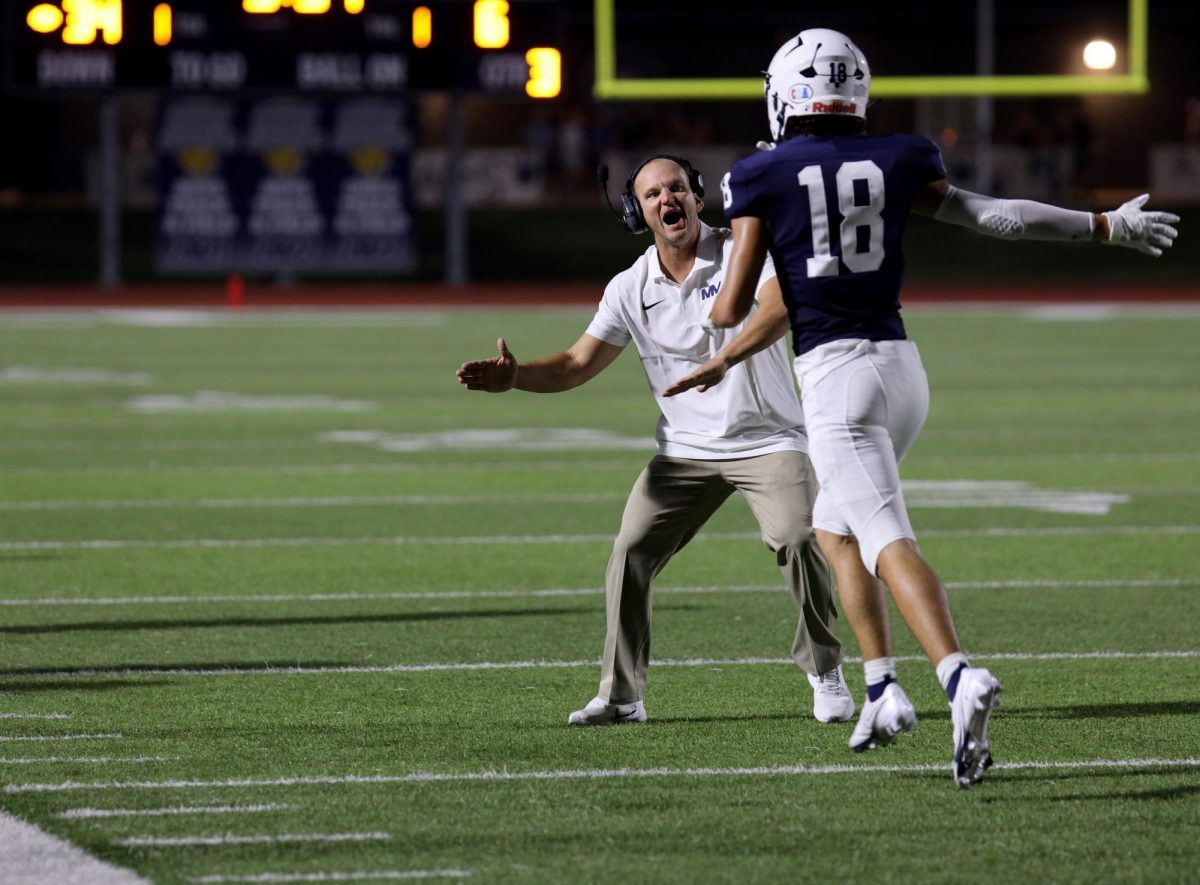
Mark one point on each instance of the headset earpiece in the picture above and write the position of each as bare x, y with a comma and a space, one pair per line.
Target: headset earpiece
631, 214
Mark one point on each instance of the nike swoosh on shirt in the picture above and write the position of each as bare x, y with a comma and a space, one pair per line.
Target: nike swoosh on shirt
646, 306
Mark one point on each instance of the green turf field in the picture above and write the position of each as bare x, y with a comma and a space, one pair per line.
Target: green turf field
280, 602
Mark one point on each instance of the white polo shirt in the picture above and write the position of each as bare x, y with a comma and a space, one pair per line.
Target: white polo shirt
753, 411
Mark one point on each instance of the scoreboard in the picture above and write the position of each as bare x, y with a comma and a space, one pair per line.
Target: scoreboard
317, 46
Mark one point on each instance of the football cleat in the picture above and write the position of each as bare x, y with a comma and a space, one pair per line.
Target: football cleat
883, 721
600, 712
976, 696
832, 701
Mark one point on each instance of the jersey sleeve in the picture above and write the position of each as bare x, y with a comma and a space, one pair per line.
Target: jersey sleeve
740, 191
926, 160
609, 323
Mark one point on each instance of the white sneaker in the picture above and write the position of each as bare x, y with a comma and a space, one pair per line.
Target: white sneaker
881, 722
832, 701
598, 712
977, 695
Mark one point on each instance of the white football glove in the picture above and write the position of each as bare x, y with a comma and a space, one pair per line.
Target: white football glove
765, 145
1148, 232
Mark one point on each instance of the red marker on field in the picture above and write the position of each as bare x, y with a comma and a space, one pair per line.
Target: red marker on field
235, 292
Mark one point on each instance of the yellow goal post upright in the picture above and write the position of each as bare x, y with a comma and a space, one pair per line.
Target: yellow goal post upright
609, 86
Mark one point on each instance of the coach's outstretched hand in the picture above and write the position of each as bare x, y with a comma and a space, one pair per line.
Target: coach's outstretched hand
1148, 232
495, 375
708, 375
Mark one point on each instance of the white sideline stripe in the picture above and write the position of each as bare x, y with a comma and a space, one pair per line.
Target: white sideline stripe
9, 739
34, 857
356, 876
230, 839
341, 468
405, 540
332, 501
427, 777
92, 813
86, 760
522, 464
36, 715
458, 666
1018, 584
1015, 584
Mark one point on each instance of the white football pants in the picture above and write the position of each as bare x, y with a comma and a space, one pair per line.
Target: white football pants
864, 405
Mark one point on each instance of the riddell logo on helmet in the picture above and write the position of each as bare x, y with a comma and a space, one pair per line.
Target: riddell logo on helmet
834, 107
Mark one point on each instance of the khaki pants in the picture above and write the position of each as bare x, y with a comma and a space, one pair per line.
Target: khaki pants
671, 500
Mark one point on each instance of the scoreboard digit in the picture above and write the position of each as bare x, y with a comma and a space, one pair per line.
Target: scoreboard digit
374, 46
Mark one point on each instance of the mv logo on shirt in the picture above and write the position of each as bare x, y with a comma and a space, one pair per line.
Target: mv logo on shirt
709, 291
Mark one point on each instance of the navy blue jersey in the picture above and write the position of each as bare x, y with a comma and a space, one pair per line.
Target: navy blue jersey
835, 210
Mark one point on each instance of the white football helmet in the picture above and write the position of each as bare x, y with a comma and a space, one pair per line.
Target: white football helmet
817, 72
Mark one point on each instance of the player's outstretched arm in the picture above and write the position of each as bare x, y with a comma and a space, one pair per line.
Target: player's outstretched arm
1148, 232
768, 325
553, 373
741, 274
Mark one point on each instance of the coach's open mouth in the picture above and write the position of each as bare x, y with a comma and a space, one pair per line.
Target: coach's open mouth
672, 217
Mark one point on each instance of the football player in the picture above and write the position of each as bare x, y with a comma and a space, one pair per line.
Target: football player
830, 203
749, 438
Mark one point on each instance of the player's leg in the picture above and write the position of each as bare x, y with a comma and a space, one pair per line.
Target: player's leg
920, 596
671, 499
863, 596
886, 711
780, 488
882, 398
841, 419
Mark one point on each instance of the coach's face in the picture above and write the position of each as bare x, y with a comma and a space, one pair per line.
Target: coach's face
671, 209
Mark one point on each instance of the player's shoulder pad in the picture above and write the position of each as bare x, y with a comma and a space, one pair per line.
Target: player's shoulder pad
752, 165
920, 143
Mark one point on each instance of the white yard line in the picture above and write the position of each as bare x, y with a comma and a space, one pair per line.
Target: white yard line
1015, 584
85, 760
425, 777
34, 444
1019, 583
352, 876
527, 464
922, 494
508, 540
176, 810
458, 666
332, 501
349, 317
33, 857
230, 839
36, 715
468, 465
39, 738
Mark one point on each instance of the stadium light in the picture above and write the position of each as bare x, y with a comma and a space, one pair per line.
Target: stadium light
1100, 55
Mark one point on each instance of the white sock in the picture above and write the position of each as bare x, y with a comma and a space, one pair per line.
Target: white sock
948, 666
878, 669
